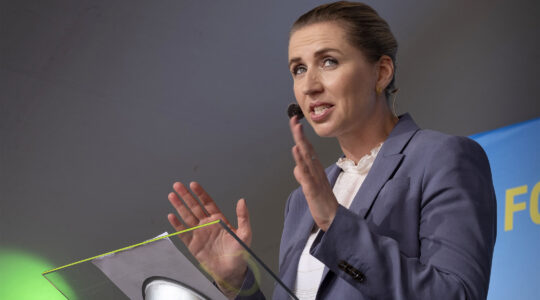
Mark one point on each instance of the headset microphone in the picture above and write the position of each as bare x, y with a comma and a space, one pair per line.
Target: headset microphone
294, 110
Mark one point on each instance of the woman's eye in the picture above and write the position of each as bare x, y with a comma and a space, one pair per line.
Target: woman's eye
298, 70
329, 62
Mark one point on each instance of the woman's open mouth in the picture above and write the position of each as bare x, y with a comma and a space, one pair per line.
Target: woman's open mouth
319, 112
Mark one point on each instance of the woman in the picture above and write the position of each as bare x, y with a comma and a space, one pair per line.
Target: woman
404, 214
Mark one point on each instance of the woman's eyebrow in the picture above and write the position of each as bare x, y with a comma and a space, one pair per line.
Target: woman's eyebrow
326, 50
316, 54
294, 60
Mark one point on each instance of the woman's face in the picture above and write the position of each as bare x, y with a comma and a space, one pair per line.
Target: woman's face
334, 83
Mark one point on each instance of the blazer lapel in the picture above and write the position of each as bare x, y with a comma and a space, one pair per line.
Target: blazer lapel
382, 170
384, 166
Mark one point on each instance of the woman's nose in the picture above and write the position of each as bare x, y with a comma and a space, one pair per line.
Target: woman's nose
313, 83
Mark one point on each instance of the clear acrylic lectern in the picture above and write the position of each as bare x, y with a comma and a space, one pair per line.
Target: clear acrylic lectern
163, 268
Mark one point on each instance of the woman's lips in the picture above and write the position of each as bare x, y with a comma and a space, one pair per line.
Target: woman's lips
320, 113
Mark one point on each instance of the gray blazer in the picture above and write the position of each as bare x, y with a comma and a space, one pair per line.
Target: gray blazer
422, 225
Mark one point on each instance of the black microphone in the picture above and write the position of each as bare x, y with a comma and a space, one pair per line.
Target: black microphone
294, 110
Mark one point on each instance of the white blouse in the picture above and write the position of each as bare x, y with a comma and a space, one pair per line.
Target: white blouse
310, 269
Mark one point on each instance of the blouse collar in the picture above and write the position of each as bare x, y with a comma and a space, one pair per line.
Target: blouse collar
364, 164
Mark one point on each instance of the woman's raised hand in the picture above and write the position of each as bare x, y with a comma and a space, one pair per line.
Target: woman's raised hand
217, 251
311, 176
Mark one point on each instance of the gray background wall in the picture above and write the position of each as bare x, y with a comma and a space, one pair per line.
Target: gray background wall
104, 104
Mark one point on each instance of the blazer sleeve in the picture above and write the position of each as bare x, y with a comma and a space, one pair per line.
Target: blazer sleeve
250, 289
456, 235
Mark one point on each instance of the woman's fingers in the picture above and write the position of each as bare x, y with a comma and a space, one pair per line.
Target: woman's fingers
178, 226
208, 202
302, 173
297, 133
304, 154
197, 210
175, 223
244, 225
309, 172
182, 210
306, 149
301, 167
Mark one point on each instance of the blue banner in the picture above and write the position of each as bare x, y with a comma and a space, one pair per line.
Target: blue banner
514, 155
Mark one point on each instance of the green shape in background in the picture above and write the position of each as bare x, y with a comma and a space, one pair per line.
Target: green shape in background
20, 276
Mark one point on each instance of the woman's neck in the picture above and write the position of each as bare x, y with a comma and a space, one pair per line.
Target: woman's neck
359, 143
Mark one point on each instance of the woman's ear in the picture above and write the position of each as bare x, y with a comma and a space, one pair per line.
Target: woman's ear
386, 72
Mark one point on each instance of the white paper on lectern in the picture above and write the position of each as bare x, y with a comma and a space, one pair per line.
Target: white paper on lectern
129, 269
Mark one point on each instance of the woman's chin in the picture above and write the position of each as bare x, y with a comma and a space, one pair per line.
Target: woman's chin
324, 131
